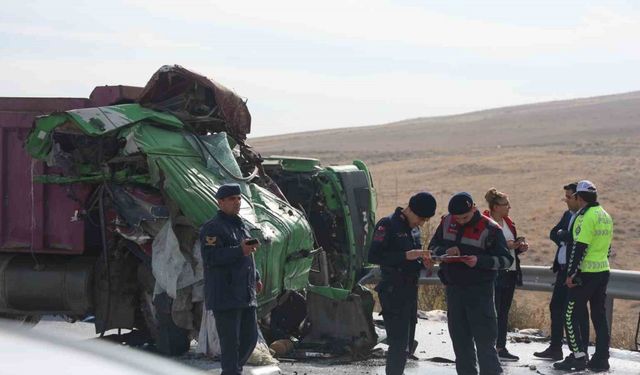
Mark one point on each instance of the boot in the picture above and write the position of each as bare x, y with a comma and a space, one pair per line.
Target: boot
552, 352
504, 355
598, 363
571, 363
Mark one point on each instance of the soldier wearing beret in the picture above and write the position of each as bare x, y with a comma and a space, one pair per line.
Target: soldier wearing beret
482, 248
231, 280
396, 247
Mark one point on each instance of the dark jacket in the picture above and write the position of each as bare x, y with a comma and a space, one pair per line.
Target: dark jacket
229, 276
567, 238
512, 226
481, 237
391, 240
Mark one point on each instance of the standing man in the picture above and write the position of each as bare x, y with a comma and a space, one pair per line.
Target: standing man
561, 235
470, 283
397, 249
587, 280
231, 280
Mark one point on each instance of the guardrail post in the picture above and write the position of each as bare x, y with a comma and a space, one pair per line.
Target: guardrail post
608, 304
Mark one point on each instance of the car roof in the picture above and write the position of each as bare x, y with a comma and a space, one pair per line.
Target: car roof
28, 352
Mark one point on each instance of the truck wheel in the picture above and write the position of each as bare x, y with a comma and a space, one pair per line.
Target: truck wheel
169, 339
27, 321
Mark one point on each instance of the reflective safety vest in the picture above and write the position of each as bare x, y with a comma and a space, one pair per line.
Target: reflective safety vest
472, 237
594, 227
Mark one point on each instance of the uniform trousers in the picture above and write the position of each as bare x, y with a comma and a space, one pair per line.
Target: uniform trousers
238, 332
505, 289
558, 308
399, 311
473, 328
592, 289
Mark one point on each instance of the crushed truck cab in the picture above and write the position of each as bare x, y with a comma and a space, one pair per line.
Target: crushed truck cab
130, 185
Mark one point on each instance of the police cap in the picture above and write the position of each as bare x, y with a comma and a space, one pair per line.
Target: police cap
460, 203
228, 190
423, 204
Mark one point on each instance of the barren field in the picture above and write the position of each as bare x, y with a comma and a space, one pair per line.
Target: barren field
528, 151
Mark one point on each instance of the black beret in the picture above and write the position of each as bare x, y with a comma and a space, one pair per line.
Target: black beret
423, 204
228, 190
460, 203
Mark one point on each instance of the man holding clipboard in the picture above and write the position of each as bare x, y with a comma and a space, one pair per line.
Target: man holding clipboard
472, 249
397, 249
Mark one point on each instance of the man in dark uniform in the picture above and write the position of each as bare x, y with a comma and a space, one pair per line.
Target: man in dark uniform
561, 235
231, 280
470, 282
397, 249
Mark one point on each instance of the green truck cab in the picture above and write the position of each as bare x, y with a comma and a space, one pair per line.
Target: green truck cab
148, 170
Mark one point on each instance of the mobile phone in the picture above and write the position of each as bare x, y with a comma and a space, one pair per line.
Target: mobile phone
252, 241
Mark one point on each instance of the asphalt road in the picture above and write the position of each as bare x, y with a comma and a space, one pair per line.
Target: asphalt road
433, 340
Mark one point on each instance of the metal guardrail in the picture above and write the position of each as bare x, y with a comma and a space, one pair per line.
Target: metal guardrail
622, 284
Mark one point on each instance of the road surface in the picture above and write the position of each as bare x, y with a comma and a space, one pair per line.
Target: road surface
433, 340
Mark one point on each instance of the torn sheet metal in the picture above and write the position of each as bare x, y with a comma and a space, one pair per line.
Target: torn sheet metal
135, 234
216, 151
198, 101
346, 320
101, 120
63, 160
92, 122
135, 210
171, 164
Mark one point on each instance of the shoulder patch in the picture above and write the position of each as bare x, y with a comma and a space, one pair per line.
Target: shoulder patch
380, 233
211, 240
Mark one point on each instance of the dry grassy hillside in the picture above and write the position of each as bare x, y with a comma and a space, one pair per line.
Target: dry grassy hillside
529, 152
554, 123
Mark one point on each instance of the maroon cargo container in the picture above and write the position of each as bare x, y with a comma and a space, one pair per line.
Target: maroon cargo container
37, 217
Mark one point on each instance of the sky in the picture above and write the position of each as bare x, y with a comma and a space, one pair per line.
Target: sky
305, 65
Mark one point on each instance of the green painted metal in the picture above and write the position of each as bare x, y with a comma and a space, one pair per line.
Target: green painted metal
282, 229
190, 168
93, 122
102, 120
329, 292
373, 201
119, 177
39, 143
337, 200
189, 175
295, 164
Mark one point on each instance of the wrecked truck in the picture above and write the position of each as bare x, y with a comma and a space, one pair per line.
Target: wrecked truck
103, 198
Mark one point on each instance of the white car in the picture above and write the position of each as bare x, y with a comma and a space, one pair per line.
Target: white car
23, 351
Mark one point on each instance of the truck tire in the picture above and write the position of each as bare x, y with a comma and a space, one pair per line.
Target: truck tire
169, 339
